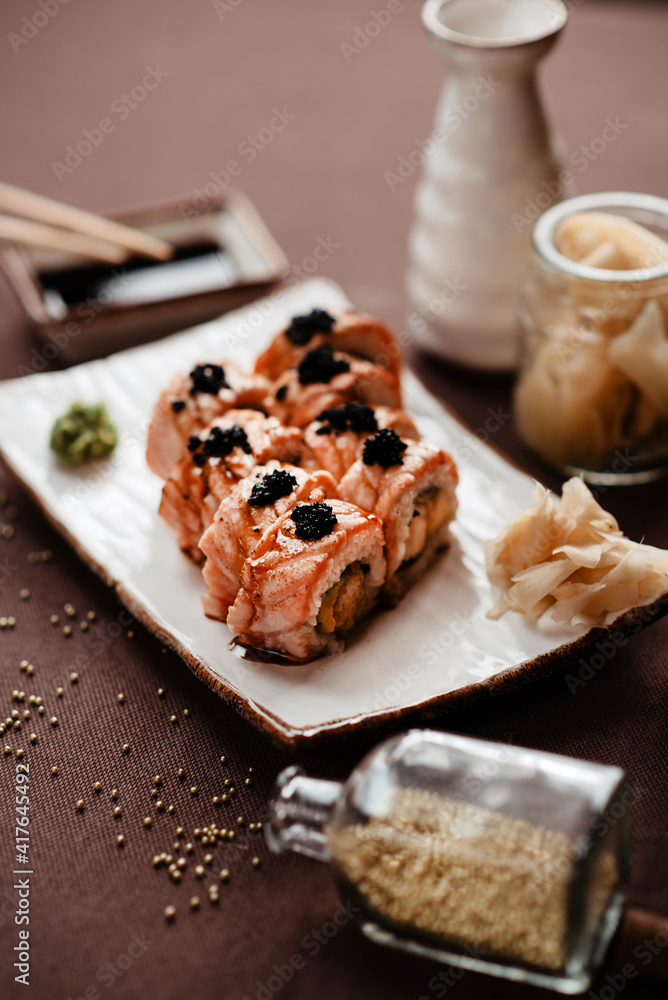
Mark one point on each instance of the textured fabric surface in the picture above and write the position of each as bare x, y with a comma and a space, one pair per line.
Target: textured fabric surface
228, 67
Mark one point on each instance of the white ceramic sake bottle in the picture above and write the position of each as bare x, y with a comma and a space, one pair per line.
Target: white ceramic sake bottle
490, 168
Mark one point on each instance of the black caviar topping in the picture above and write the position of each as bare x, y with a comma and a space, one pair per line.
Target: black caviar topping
356, 417
199, 459
385, 448
221, 442
271, 487
313, 520
320, 365
178, 405
194, 442
302, 328
208, 378
281, 393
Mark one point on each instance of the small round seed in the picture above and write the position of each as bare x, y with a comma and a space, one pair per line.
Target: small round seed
224, 875
199, 871
74, 678
173, 719
97, 785
24, 594
194, 903
33, 737
20, 753
67, 631
120, 698
120, 840
148, 821
81, 804
193, 790
114, 793
118, 811
161, 692
54, 619
255, 862
170, 912
60, 692
157, 780
53, 720
91, 616
54, 770
126, 748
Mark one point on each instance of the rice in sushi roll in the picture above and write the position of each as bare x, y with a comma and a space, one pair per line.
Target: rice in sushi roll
192, 401
252, 505
350, 332
316, 572
410, 486
215, 459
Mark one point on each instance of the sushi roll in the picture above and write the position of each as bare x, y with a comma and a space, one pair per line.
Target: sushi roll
350, 332
252, 505
191, 402
324, 378
334, 440
215, 459
410, 486
314, 574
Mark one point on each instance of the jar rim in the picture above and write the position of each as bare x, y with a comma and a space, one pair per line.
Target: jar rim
431, 10
544, 230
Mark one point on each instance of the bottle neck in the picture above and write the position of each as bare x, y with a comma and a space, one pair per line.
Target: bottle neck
299, 812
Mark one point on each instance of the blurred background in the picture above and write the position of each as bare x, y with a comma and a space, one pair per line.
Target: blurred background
225, 66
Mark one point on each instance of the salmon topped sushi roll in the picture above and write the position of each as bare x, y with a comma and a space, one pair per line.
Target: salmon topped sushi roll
192, 401
252, 505
334, 440
351, 332
411, 487
215, 459
324, 378
314, 574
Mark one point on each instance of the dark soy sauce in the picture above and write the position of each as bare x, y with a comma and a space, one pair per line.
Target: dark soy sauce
195, 268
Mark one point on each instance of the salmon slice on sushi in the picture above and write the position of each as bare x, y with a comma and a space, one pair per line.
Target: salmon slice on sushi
215, 459
192, 401
324, 378
253, 505
334, 440
316, 572
410, 486
351, 332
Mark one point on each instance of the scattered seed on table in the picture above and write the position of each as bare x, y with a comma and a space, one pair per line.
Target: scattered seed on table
148, 821
208, 859
97, 786
186, 712
255, 862
179, 831
83, 626
176, 875
173, 719
248, 782
157, 780
231, 835
114, 793
240, 821
215, 800
161, 692
33, 737
120, 698
54, 619
227, 781
17, 724
160, 805
193, 790
181, 863
181, 772
188, 848
130, 634
8, 750
126, 748
118, 811
231, 791
74, 678
30, 670
20, 753
60, 692
170, 912
23, 664
67, 631
54, 770
171, 809
213, 895
223, 759
120, 840
224, 797
81, 804
199, 871
154, 793
70, 610
197, 832
24, 594
53, 720
224, 875
41, 709
194, 903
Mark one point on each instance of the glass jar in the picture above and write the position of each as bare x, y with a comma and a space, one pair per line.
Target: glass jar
487, 857
592, 394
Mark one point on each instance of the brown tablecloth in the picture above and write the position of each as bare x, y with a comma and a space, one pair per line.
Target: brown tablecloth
96, 924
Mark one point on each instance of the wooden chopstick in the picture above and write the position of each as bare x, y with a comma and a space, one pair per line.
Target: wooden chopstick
36, 206
36, 233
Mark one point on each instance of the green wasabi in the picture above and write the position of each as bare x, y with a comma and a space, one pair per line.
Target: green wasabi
83, 434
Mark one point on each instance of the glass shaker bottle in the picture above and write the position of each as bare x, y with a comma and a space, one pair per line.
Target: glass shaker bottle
487, 857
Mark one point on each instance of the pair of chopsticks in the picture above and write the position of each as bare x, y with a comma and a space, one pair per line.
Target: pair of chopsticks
50, 223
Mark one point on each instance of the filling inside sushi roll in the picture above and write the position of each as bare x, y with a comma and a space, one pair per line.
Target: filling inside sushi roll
348, 601
432, 510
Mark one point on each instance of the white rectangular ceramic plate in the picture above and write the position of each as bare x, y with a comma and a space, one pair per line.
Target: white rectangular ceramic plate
435, 651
